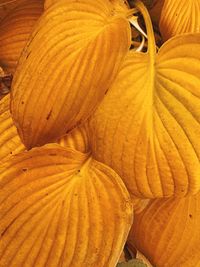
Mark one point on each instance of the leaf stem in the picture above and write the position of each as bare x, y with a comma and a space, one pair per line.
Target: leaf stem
151, 39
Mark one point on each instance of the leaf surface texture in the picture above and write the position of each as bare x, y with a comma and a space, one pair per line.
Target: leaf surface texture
148, 126
179, 16
66, 68
59, 207
10, 142
168, 232
15, 29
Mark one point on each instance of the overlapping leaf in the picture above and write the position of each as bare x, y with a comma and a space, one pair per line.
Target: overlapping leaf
168, 232
77, 139
10, 142
179, 16
148, 125
66, 68
61, 208
15, 29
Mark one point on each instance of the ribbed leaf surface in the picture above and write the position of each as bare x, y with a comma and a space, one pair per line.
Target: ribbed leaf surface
15, 29
77, 139
60, 208
179, 16
66, 68
168, 232
10, 143
148, 126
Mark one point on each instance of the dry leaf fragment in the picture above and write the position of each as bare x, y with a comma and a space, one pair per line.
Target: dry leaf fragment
66, 68
60, 207
168, 232
15, 29
148, 126
179, 16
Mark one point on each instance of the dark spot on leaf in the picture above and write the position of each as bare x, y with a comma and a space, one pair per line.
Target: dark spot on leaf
190, 215
49, 115
4, 231
28, 54
53, 154
24, 169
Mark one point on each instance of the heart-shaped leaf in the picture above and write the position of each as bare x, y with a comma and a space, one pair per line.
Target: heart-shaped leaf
148, 126
15, 29
59, 207
179, 16
66, 68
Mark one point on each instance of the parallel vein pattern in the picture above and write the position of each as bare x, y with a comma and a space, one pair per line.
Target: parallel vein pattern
77, 139
10, 143
15, 29
178, 17
148, 126
168, 233
66, 68
61, 208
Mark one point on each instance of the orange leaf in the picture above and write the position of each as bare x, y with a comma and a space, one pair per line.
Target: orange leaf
179, 16
10, 143
66, 68
147, 128
60, 207
168, 232
15, 29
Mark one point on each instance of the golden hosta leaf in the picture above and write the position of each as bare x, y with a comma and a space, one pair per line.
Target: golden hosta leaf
11, 144
15, 29
148, 126
61, 208
179, 16
120, 3
9, 140
168, 232
77, 139
66, 68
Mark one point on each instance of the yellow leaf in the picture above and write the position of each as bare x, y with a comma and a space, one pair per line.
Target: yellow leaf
60, 207
66, 68
168, 232
77, 139
147, 128
10, 143
120, 3
15, 29
179, 16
